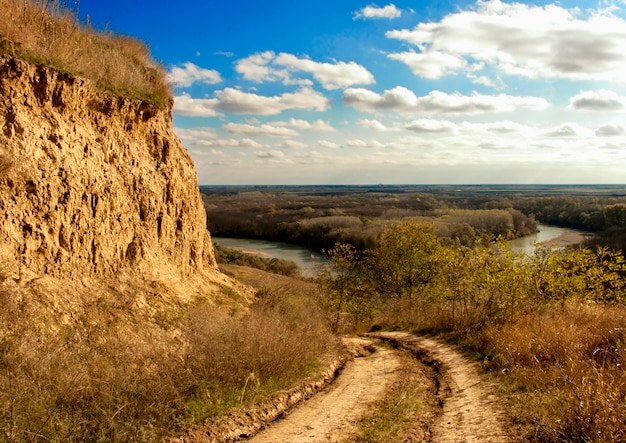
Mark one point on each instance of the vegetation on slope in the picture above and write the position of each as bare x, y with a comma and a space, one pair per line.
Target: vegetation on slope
551, 325
232, 256
123, 370
47, 33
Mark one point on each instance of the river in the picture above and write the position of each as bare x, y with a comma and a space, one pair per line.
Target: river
551, 236
310, 262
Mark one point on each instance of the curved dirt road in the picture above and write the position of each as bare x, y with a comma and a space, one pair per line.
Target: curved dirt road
331, 416
470, 412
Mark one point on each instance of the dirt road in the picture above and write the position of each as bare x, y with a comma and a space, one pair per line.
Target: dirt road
331, 416
468, 410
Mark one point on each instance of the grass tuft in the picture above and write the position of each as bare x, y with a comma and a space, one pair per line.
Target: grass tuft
45, 32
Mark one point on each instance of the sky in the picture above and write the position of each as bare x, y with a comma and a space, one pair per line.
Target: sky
402, 92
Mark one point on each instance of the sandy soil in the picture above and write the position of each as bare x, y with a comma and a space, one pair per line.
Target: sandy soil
331, 416
469, 410
566, 239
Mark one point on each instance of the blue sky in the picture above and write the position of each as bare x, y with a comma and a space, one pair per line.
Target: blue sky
354, 92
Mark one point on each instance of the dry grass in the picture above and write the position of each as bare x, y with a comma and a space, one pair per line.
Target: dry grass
568, 367
115, 376
43, 32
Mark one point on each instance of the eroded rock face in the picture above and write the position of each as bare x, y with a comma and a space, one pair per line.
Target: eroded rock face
91, 184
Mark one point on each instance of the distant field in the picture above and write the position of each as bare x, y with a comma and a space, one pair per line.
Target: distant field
456, 190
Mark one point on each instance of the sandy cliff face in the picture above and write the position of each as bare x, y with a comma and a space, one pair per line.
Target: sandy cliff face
92, 184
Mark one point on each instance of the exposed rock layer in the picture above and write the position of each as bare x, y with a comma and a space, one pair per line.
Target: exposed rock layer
91, 184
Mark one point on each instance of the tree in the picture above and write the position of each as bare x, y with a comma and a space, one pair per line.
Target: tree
345, 284
409, 256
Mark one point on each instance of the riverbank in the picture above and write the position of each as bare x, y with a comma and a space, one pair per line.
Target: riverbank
566, 239
549, 237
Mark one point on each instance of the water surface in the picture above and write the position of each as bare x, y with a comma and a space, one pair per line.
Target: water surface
310, 262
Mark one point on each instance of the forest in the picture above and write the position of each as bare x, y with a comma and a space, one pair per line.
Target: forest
319, 216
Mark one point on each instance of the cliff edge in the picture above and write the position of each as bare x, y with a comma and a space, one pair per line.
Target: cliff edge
92, 184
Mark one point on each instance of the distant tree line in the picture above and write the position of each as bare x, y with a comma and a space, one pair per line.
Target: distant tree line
605, 216
318, 222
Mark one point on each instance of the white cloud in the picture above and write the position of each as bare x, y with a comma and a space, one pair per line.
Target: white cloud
601, 100
255, 67
235, 101
500, 127
292, 144
260, 130
270, 154
389, 11
195, 133
189, 74
317, 125
567, 130
229, 143
358, 143
328, 144
611, 130
520, 39
195, 107
374, 125
400, 99
238, 102
426, 125
431, 65
267, 66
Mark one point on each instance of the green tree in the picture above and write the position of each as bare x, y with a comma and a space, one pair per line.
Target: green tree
346, 285
410, 255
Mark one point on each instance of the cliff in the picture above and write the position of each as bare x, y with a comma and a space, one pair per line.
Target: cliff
93, 184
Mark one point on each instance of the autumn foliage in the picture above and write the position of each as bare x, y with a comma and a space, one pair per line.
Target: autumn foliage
552, 324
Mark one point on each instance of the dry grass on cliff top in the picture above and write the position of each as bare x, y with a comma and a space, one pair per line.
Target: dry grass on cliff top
42, 31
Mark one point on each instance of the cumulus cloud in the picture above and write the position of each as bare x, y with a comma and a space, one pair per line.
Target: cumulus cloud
389, 11
328, 144
292, 144
270, 154
195, 107
611, 130
238, 102
601, 100
358, 143
431, 65
267, 66
188, 74
317, 125
260, 130
195, 133
229, 143
235, 101
374, 125
425, 125
567, 130
255, 67
520, 39
400, 99
501, 127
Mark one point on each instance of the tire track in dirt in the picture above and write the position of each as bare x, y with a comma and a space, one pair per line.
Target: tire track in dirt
331, 416
469, 409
